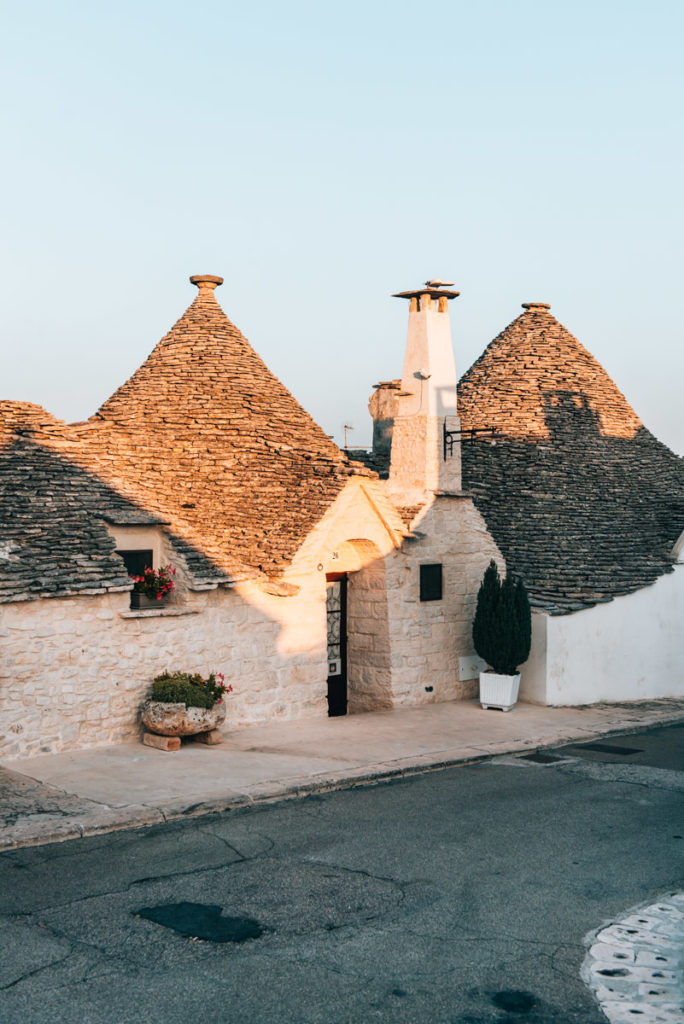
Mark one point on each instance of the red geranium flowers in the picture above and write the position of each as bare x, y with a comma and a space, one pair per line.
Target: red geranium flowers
155, 582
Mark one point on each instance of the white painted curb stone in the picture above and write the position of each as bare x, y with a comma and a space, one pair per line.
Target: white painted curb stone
635, 966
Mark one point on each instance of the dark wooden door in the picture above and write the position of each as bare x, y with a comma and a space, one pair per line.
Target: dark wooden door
336, 608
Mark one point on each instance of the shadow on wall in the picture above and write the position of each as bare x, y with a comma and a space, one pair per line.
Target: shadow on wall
74, 671
53, 538
581, 516
91, 665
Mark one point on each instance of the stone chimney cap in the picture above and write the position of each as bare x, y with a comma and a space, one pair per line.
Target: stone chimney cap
536, 305
427, 289
206, 281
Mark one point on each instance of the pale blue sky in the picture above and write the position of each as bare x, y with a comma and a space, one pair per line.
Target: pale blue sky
320, 157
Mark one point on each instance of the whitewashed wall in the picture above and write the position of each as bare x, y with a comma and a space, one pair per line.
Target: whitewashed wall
533, 672
629, 649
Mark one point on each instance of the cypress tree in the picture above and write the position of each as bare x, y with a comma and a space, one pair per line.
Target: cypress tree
507, 629
502, 627
487, 600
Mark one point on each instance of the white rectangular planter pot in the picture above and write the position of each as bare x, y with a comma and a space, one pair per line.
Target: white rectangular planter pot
497, 691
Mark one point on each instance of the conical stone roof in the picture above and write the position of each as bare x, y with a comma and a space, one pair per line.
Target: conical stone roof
583, 501
22, 418
206, 434
53, 538
536, 366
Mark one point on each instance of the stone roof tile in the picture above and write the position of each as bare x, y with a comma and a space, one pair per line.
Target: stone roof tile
204, 431
203, 438
583, 501
52, 537
376, 463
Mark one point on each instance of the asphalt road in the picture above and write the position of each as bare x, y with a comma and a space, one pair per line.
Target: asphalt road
454, 897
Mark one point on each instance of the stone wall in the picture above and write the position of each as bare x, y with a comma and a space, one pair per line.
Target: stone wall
369, 663
359, 536
418, 463
383, 406
75, 670
428, 638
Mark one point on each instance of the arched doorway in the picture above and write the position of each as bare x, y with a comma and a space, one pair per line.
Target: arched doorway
359, 657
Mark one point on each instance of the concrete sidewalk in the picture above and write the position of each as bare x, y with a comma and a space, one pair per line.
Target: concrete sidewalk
67, 796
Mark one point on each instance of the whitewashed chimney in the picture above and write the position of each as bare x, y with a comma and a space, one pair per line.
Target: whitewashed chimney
421, 462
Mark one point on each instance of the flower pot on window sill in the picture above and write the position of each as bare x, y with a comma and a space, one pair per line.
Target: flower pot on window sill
143, 602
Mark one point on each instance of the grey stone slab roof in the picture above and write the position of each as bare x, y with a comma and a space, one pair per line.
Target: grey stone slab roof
132, 517
203, 440
53, 540
580, 523
374, 461
201, 568
583, 501
206, 434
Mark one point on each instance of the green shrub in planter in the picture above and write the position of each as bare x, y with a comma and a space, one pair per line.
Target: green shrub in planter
189, 689
502, 630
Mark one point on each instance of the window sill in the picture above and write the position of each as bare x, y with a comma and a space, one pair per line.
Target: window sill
158, 613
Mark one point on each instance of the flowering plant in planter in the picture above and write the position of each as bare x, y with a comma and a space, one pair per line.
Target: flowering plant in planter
155, 583
185, 704
190, 689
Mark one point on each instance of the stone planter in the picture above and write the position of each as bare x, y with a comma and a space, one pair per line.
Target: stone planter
180, 720
142, 602
498, 691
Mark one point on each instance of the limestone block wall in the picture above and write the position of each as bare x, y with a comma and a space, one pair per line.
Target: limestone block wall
383, 406
369, 663
74, 671
398, 645
357, 536
418, 457
428, 638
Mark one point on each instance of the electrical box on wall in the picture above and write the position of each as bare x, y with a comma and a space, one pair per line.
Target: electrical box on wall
470, 667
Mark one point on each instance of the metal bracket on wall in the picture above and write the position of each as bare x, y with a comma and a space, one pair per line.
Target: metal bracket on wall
450, 437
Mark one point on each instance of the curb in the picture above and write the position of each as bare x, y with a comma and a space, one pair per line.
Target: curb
634, 965
113, 819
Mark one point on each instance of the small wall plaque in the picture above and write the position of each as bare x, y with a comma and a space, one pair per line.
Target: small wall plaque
470, 667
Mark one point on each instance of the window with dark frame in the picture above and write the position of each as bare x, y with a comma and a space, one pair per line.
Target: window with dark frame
137, 561
431, 582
